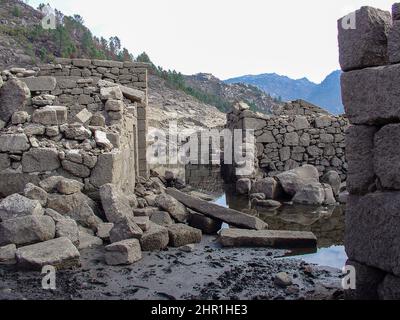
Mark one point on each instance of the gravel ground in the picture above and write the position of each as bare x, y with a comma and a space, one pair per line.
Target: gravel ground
208, 273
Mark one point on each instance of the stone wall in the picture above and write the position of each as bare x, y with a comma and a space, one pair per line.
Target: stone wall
69, 119
370, 57
301, 136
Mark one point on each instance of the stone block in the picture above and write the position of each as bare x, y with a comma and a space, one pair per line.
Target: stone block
203, 223
40, 160
386, 157
394, 43
155, 239
50, 115
83, 63
68, 228
115, 204
389, 289
15, 206
361, 89
7, 254
182, 234
43, 83
133, 94
14, 95
108, 63
14, 143
123, 253
359, 154
372, 229
365, 43
11, 183
125, 228
4, 161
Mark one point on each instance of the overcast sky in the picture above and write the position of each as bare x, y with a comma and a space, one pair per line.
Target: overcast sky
225, 37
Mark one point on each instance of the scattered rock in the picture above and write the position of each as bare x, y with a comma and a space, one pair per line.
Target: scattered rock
14, 95
125, 228
115, 204
68, 186
155, 239
15, 206
205, 224
68, 228
181, 234
268, 186
295, 180
87, 241
7, 254
187, 248
103, 230
142, 222
176, 209
267, 203
35, 193
283, 280
59, 253
162, 218
313, 194
123, 253
333, 179
27, 230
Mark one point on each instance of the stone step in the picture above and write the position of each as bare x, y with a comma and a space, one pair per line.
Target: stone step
267, 238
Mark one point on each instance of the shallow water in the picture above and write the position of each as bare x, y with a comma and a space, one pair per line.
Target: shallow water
327, 223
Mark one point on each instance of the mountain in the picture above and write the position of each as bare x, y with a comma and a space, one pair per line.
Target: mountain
327, 94
257, 99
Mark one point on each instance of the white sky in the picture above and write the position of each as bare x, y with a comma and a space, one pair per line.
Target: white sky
225, 37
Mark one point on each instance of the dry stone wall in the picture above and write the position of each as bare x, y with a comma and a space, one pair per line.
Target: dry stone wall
290, 140
371, 85
69, 119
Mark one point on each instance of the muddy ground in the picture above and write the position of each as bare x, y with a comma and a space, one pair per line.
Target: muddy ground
208, 273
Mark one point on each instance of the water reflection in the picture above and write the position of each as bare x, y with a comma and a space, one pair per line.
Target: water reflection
327, 223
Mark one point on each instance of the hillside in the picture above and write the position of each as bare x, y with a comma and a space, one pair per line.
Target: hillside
256, 98
327, 94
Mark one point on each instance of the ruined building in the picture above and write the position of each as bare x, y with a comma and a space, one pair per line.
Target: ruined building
370, 57
82, 119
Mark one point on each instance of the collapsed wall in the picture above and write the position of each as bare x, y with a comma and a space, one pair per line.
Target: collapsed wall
82, 119
297, 134
370, 57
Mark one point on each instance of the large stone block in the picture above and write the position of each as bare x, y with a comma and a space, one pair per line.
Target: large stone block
41, 83
182, 234
50, 115
394, 43
14, 95
176, 209
27, 230
126, 228
370, 96
365, 43
107, 169
40, 160
115, 204
386, 156
59, 253
372, 230
155, 239
359, 154
14, 143
11, 182
133, 94
15, 206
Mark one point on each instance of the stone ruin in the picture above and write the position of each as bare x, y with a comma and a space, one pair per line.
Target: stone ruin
298, 134
370, 57
81, 119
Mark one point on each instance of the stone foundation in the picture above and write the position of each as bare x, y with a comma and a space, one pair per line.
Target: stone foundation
370, 88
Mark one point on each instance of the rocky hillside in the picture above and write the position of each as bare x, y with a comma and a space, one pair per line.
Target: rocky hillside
24, 43
253, 96
327, 94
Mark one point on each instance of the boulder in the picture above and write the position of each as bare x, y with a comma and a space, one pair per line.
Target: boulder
35, 193
268, 186
76, 206
123, 253
329, 196
19, 117
103, 230
203, 223
15, 206
40, 160
54, 215
76, 132
102, 141
176, 209
267, 238
114, 105
365, 45
125, 228
142, 222
115, 204
50, 184
333, 179
155, 239
161, 218
187, 248
59, 253
182, 234
14, 143
243, 186
312, 194
87, 241
12, 182
14, 95
266, 203
68, 228
27, 230
283, 280
295, 180
133, 94
111, 93
68, 186
4, 161
7, 254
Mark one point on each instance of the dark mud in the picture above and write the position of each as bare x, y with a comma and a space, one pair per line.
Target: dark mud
209, 272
